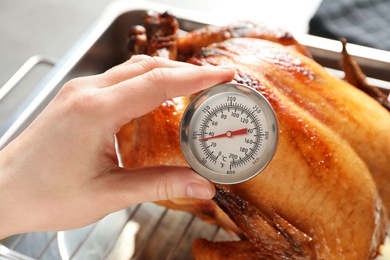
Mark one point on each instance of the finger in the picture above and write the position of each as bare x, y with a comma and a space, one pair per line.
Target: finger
135, 66
136, 97
127, 187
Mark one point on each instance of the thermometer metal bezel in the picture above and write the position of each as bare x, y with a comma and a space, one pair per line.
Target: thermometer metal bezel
271, 144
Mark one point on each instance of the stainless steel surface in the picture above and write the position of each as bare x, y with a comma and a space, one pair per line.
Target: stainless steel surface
375, 63
6, 253
22, 72
51, 27
47, 27
164, 233
15, 95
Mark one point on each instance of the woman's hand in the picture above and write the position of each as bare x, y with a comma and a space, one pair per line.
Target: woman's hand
62, 172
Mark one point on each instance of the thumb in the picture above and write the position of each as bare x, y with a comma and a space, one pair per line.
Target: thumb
132, 186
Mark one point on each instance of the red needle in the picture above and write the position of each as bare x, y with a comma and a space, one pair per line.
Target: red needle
228, 134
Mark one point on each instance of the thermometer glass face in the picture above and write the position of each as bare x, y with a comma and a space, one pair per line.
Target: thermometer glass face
229, 133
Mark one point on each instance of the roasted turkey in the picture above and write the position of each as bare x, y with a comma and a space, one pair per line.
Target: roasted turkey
325, 193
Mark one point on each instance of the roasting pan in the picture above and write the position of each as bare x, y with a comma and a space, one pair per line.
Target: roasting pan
144, 231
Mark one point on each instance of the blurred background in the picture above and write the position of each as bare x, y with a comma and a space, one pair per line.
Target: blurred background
52, 27
48, 27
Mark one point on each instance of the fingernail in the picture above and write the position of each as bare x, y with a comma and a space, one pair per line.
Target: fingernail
226, 67
195, 190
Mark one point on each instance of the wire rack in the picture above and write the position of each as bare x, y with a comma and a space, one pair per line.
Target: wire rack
144, 231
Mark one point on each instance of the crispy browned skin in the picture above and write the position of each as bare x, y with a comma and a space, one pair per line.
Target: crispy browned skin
272, 238
156, 37
333, 143
203, 37
233, 250
333, 140
137, 40
267, 239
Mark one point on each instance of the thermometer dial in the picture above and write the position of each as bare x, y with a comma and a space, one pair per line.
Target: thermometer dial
229, 133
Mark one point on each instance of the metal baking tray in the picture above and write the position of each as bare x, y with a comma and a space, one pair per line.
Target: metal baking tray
146, 231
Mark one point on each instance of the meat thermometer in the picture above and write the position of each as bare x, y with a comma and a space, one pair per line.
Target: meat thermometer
229, 133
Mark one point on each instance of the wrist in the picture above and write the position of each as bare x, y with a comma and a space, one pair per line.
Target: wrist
8, 193
4, 172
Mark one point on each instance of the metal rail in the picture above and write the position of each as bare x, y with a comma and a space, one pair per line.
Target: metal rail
23, 71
